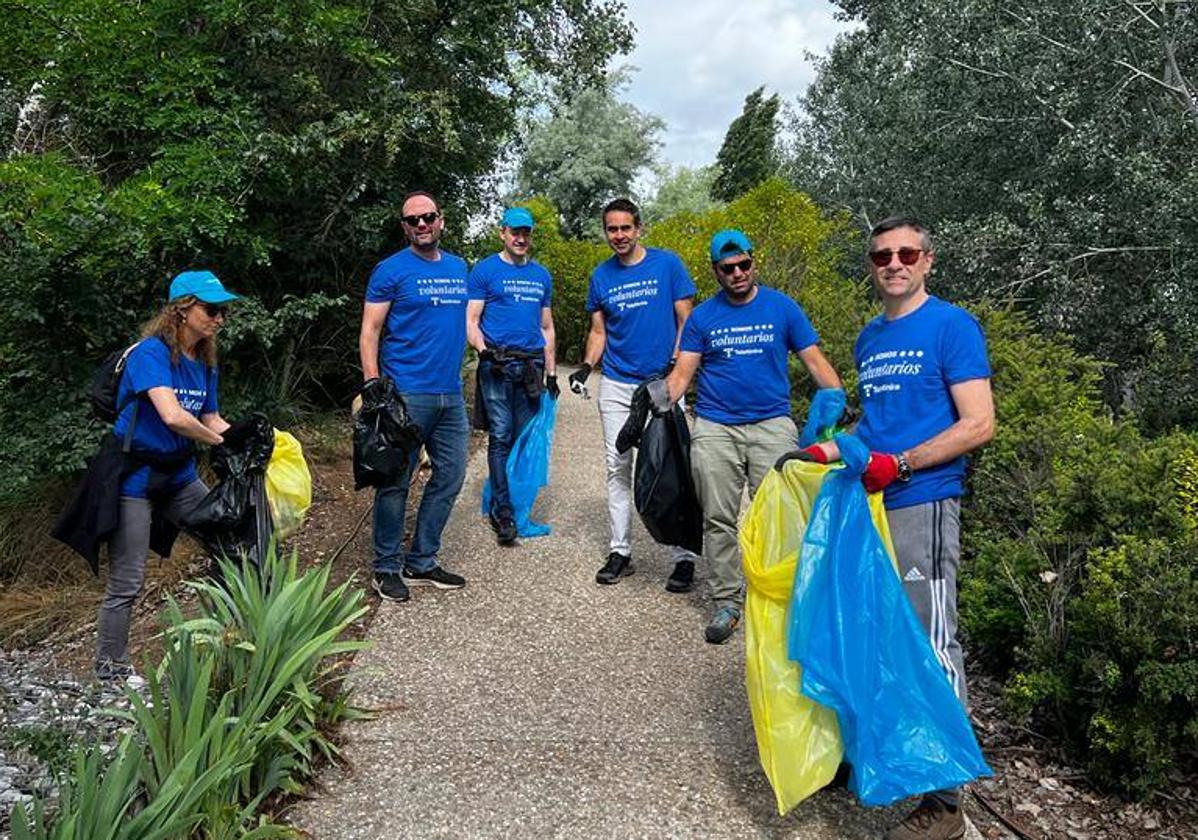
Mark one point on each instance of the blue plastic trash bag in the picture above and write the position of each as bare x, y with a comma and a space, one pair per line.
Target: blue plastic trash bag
826, 408
865, 654
528, 468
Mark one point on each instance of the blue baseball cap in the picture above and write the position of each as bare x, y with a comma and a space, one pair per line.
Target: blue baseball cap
516, 217
728, 243
202, 284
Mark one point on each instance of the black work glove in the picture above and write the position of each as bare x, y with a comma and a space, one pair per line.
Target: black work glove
551, 385
241, 431
578, 379
372, 390
813, 453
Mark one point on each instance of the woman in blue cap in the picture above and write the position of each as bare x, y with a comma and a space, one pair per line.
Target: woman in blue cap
168, 393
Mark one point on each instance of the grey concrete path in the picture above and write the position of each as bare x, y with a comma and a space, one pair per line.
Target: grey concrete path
535, 703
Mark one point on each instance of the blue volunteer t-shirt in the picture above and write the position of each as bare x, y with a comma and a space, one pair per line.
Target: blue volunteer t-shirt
425, 334
904, 370
149, 366
513, 296
638, 308
743, 376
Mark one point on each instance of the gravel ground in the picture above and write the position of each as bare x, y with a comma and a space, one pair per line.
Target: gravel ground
44, 713
537, 703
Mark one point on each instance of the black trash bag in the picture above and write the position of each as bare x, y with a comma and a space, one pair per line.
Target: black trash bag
663, 489
384, 436
634, 426
234, 520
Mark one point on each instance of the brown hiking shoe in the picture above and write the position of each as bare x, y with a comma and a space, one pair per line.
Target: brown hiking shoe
932, 820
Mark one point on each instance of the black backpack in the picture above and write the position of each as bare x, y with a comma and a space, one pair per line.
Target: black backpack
106, 385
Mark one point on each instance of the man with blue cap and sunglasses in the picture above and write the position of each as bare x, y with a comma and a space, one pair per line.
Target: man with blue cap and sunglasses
509, 321
738, 342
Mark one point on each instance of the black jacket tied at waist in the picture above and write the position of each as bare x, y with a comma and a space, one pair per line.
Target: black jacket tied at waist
501, 358
93, 514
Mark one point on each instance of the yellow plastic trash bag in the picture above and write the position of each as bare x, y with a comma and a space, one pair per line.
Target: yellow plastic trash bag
288, 484
798, 740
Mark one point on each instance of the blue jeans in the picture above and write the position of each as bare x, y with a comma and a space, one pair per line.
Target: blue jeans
509, 408
445, 432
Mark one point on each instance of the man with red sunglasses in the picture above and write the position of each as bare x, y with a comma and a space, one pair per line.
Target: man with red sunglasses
738, 342
924, 383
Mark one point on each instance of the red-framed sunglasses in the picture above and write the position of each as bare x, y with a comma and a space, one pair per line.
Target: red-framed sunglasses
907, 256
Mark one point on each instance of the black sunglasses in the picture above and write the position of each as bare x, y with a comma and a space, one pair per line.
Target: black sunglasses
213, 310
728, 268
427, 218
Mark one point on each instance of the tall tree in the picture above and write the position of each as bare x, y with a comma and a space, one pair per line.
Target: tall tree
272, 142
682, 190
748, 156
1055, 146
588, 149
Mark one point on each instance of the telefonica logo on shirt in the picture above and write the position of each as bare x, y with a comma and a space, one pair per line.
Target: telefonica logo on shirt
524, 291
889, 363
441, 290
627, 295
743, 340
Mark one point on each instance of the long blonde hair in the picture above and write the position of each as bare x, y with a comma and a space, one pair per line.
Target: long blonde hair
168, 326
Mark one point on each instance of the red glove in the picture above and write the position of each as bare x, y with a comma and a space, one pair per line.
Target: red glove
880, 472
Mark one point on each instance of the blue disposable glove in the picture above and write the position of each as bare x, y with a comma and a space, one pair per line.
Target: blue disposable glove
826, 407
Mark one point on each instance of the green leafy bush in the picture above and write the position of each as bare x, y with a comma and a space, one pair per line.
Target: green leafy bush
1080, 582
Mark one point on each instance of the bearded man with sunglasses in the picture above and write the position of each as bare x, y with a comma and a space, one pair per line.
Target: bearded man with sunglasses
739, 342
414, 333
924, 383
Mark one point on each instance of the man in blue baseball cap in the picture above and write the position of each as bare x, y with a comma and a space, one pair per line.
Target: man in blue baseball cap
738, 342
203, 285
509, 321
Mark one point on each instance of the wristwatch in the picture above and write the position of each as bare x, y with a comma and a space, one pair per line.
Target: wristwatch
904, 468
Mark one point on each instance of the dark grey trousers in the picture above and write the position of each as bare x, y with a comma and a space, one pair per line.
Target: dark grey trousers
127, 554
927, 543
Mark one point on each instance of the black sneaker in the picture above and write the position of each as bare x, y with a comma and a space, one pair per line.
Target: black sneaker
505, 531
682, 579
390, 586
436, 576
617, 566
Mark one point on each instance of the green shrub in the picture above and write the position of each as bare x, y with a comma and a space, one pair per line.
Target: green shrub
1079, 582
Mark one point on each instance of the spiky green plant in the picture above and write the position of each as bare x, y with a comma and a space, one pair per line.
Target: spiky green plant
236, 710
271, 632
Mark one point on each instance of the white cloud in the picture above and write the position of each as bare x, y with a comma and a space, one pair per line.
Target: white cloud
698, 59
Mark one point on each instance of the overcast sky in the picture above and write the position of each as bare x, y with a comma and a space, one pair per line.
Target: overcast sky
698, 59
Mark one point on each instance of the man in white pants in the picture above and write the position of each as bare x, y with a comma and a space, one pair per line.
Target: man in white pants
638, 299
